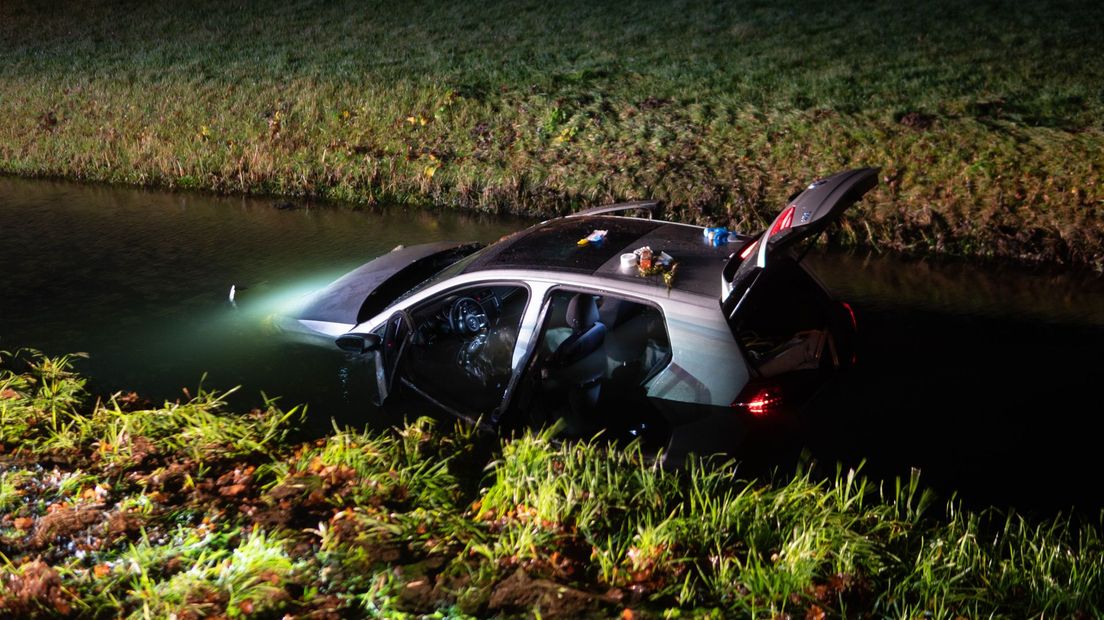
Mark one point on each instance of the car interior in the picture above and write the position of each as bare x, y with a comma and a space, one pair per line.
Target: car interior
788, 323
461, 347
594, 354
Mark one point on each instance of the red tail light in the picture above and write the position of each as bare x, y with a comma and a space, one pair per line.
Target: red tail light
760, 400
748, 250
783, 222
854, 328
851, 313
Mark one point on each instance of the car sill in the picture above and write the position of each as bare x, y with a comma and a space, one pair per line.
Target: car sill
439, 404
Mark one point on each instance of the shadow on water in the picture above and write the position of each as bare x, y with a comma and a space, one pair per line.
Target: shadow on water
983, 377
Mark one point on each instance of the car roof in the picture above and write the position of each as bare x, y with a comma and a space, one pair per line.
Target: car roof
553, 246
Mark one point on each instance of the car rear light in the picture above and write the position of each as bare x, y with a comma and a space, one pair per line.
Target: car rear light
746, 252
783, 222
760, 400
854, 328
851, 313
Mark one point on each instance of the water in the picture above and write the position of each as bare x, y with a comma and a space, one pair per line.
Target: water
982, 376
985, 377
140, 280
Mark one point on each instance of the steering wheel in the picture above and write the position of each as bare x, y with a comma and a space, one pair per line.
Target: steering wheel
467, 316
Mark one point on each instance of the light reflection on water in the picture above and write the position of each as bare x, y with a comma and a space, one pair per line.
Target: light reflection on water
965, 287
140, 280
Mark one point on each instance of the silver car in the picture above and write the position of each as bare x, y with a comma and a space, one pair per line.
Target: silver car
686, 337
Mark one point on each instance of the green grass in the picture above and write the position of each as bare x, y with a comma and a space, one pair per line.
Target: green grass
243, 578
403, 523
986, 118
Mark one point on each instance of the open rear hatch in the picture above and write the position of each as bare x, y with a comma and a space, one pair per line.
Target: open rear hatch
806, 216
787, 324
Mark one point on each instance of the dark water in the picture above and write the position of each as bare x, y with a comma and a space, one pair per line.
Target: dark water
987, 378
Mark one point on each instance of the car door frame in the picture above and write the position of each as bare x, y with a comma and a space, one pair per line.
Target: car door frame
443, 289
525, 364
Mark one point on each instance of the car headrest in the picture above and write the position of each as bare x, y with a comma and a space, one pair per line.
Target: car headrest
582, 311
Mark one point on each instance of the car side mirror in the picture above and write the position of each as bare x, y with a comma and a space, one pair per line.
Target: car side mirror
358, 343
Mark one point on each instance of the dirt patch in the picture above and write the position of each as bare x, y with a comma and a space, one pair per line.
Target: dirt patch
123, 524
917, 120
35, 587
519, 593
64, 521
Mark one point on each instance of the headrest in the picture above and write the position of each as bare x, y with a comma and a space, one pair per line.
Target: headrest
582, 311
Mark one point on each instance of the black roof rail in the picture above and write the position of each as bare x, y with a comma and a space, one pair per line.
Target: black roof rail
647, 205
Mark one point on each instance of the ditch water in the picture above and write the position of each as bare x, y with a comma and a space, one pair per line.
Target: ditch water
984, 377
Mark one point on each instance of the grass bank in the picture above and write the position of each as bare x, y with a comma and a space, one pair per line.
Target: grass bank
986, 117
122, 509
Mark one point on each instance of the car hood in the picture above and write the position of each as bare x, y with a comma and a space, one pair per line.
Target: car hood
344, 301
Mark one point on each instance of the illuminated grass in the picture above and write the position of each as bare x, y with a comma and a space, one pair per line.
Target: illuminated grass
244, 578
395, 524
987, 121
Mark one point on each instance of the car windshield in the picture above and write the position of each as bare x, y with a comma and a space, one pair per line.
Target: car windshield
444, 274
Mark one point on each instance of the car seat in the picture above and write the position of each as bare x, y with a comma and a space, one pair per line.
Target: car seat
626, 338
579, 362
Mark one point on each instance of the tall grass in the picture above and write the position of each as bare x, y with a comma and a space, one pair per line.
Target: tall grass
41, 397
244, 579
43, 411
985, 117
397, 523
704, 537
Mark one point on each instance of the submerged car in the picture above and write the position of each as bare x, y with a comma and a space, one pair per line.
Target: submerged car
686, 337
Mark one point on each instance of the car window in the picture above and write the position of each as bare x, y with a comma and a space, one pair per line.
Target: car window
461, 346
593, 356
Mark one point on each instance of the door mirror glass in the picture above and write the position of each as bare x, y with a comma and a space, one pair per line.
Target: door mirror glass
359, 343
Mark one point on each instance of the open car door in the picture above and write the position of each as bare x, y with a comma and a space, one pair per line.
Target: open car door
806, 216
384, 347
